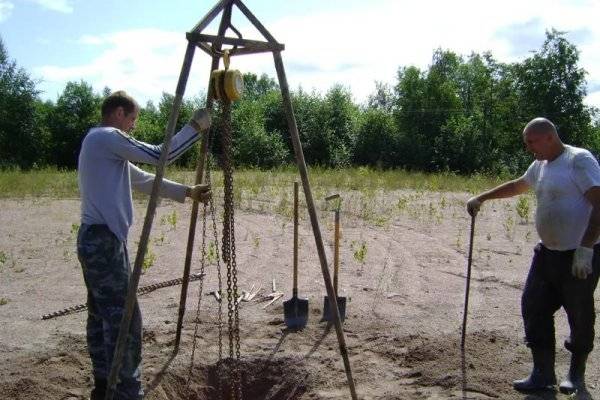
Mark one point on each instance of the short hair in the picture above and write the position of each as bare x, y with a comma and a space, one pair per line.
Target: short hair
119, 99
540, 125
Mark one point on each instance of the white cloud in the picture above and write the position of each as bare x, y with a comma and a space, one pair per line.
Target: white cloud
377, 40
144, 62
6, 8
63, 6
90, 39
354, 47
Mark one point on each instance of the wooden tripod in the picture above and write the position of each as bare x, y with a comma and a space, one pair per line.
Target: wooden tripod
212, 45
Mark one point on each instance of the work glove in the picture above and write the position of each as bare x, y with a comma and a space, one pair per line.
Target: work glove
200, 193
473, 205
582, 262
201, 119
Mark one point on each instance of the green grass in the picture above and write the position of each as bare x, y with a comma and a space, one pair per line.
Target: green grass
48, 182
55, 183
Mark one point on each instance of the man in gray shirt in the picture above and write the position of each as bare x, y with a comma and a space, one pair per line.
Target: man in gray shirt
106, 177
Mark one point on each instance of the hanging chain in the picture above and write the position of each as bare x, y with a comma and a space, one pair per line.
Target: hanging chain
200, 289
229, 252
220, 283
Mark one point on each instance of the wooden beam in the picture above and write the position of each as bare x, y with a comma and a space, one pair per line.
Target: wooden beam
208, 18
221, 40
205, 48
131, 299
225, 21
257, 24
242, 51
314, 220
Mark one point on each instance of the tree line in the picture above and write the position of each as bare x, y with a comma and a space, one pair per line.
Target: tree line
461, 114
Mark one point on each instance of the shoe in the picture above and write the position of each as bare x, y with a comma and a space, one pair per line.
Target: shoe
542, 376
99, 391
576, 377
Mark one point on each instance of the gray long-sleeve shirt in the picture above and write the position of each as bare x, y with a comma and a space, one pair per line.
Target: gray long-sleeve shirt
106, 175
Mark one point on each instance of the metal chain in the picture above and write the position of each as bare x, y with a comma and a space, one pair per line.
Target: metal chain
220, 282
229, 252
200, 289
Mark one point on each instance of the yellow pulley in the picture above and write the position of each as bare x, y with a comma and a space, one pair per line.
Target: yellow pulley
227, 84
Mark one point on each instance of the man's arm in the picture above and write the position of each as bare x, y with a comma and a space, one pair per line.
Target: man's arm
128, 148
593, 229
507, 189
143, 181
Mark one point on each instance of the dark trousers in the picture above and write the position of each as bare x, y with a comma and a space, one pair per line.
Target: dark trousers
106, 272
550, 285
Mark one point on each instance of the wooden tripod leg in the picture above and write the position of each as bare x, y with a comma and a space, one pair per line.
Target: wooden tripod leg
131, 299
287, 103
199, 178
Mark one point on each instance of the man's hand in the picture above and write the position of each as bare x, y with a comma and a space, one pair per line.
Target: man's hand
199, 193
200, 119
473, 205
582, 262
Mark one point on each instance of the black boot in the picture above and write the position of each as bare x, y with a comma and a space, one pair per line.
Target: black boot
576, 377
99, 391
542, 377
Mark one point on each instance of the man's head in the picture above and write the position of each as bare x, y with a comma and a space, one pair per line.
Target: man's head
541, 139
120, 110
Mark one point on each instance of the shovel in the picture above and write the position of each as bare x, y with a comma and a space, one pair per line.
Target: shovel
468, 284
341, 301
295, 310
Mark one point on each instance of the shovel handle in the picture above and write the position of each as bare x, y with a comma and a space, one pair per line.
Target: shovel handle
295, 288
468, 284
336, 252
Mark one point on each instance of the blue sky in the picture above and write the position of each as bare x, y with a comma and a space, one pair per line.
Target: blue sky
139, 45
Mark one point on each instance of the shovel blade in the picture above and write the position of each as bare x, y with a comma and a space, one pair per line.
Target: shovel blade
328, 314
295, 313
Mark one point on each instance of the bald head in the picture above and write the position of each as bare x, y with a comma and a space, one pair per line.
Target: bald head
541, 139
540, 125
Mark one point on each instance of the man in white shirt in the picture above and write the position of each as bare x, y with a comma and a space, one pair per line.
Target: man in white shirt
566, 262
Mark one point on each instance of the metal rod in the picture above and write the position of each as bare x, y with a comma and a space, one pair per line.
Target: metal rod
131, 299
469, 262
195, 206
291, 119
295, 288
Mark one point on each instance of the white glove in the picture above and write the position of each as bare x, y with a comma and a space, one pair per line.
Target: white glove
201, 118
582, 262
473, 205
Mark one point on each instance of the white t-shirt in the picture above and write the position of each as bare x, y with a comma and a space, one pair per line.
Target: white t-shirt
563, 213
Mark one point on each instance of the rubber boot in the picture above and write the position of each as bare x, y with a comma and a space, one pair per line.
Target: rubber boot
99, 391
542, 376
576, 377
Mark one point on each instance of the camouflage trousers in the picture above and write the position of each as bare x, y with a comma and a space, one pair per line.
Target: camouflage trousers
105, 265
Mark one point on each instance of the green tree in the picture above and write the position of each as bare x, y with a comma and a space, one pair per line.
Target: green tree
256, 87
551, 84
377, 138
20, 142
339, 117
77, 110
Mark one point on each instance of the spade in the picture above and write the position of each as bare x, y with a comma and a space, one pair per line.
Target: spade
295, 310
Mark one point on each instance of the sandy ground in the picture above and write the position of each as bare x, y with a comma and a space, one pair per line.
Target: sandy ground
405, 297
